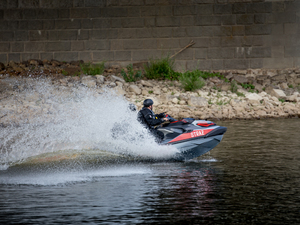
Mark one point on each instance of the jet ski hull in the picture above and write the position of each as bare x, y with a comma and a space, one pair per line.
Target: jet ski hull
195, 140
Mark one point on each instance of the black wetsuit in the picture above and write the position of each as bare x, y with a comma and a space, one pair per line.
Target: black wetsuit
149, 120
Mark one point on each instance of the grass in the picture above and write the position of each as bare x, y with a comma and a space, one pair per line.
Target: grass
131, 75
191, 80
150, 92
65, 73
281, 100
240, 94
234, 87
92, 69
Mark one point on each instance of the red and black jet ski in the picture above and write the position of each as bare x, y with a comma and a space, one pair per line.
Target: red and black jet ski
191, 137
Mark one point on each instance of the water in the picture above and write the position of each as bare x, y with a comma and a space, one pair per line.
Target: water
252, 177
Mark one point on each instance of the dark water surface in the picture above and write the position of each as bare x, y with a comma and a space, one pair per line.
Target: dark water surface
252, 177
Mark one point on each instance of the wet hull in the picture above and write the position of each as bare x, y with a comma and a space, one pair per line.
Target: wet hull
195, 148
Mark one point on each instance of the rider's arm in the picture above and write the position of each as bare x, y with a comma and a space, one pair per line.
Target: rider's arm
153, 120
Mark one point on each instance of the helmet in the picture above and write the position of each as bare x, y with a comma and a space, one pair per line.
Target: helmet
148, 102
132, 107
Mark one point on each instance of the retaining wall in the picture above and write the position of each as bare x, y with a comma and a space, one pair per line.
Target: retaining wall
229, 34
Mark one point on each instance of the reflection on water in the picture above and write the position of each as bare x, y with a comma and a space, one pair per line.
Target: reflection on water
252, 177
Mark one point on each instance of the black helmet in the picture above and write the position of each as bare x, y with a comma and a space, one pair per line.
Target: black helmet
132, 107
148, 102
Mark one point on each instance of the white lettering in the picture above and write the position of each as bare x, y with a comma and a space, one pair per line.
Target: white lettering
197, 133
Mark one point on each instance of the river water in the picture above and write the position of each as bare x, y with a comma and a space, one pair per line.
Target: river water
252, 177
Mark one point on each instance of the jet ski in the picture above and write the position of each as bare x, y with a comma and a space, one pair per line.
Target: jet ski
191, 137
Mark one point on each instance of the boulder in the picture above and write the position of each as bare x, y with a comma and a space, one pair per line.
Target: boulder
115, 78
279, 78
146, 83
112, 84
197, 101
225, 86
263, 80
283, 86
275, 92
240, 79
135, 89
88, 81
254, 98
175, 100
156, 90
100, 79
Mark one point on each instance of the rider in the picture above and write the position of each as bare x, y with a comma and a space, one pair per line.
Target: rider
147, 117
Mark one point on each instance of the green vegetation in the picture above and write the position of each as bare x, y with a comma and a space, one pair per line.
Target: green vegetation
291, 86
191, 80
248, 86
65, 73
240, 94
150, 92
210, 102
92, 69
131, 75
234, 87
282, 100
161, 69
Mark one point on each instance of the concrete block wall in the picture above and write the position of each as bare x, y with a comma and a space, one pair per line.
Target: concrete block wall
229, 34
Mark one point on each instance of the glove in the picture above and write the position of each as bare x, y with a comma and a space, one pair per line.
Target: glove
161, 115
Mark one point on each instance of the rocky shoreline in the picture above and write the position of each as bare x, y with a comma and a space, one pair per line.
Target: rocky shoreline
259, 93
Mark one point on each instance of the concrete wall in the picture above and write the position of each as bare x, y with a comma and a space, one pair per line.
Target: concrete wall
229, 34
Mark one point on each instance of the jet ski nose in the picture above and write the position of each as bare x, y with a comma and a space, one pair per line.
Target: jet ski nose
217, 131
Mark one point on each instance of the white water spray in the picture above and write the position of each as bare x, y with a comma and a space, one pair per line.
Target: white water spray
76, 118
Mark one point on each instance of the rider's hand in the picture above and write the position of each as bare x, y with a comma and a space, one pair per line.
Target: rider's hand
161, 115
165, 119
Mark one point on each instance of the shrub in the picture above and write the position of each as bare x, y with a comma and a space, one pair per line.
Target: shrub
161, 69
131, 75
191, 80
92, 69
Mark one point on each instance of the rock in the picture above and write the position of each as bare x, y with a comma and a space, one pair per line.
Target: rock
279, 78
115, 78
146, 83
263, 80
297, 81
165, 90
182, 102
175, 100
156, 90
240, 79
88, 81
119, 91
215, 80
254, 98
112, 84
100, 79
225, 86
275, 92
197, 101
283, 86
135, 89
145, 92
258, 87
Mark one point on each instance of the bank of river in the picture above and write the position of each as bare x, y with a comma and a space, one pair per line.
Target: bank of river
22, 99
252, 177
